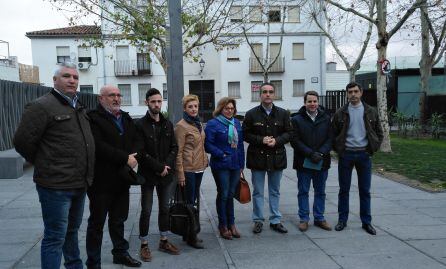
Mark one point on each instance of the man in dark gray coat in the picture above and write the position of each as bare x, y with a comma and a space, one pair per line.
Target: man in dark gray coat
267, 129
54, 135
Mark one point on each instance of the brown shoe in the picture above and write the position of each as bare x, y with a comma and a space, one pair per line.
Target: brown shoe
235, 233
303, 226
323, 225
145, 254
166, 246
224, 233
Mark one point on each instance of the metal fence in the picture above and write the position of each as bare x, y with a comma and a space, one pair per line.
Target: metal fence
13, 98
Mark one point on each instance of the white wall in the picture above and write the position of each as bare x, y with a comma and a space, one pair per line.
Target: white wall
294, 69
337, 80
217, 67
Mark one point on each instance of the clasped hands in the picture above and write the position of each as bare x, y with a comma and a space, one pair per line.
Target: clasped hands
269, 141
132, 162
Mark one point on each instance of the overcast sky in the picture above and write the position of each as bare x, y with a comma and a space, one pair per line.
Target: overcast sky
21, 16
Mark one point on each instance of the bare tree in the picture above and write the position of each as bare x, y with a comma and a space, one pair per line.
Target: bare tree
144, 23
433, 32
339, 28
267, 62
401, 12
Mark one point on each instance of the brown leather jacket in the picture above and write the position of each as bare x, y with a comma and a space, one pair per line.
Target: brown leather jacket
341, 121
191, 155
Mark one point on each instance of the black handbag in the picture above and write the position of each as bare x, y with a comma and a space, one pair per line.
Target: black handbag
130, 176
184, 218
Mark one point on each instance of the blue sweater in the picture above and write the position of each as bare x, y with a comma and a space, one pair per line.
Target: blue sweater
223, 156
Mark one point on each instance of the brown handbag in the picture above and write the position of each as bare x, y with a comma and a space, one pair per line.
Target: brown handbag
243, 193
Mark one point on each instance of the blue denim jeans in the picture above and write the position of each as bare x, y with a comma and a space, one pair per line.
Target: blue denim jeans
258, 182
226, 181
304, 178
62, 212
193, 183
363, 164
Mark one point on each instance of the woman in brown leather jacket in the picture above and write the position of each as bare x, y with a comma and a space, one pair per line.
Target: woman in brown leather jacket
191, 159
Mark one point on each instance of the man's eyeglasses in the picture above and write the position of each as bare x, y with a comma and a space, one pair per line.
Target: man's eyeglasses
113, 95
266, 91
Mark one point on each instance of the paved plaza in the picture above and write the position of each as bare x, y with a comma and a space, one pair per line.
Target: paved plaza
410, 224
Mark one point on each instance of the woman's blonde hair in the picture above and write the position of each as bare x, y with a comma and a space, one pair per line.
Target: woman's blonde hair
189, 98
222, 103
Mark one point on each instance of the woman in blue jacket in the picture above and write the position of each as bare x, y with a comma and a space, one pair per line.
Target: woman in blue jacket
224, 141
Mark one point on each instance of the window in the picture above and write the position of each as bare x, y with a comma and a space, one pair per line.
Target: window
234, 89
298, 87
235, 13
274, 14
298, 51
126, 94
86, 88
257, 49
278, 86
143, 63
84, 54
255, 90
233, 53
274, 50
293, 14
255, 14
142, 90
63, 54
122, 53
164, 91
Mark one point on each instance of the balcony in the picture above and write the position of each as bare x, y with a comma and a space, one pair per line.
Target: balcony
127, 68
277, 67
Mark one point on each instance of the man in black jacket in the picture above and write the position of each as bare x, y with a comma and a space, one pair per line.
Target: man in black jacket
157, 166
267, 129
311, 141
115, 137
54, 136
357, 135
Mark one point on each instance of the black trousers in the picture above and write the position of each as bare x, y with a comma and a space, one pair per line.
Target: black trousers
164, 193
116, 206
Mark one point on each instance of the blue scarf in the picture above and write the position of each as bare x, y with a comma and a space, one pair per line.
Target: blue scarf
232, 130
193, 120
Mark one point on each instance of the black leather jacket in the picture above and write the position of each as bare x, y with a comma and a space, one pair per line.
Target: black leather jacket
258, 124
157, 152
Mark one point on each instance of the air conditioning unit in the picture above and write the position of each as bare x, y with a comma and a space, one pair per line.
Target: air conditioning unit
83, 65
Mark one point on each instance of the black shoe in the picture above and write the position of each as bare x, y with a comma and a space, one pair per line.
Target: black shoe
369, 228
126, 260
257, 227
340, 226
278, 227
196, 244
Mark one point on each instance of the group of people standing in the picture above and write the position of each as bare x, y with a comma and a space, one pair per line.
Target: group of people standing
76, 153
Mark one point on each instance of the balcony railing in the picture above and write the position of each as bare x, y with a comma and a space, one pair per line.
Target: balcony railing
277, 67
125, 68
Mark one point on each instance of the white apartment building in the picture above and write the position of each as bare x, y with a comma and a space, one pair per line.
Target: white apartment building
229, 72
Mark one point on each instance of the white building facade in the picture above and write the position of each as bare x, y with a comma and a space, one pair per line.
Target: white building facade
229, 72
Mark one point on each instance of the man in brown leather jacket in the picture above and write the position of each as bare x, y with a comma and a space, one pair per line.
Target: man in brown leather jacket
357, 135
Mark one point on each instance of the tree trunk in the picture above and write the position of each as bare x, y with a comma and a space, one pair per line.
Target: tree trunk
425, 65
381, 80
351, 74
